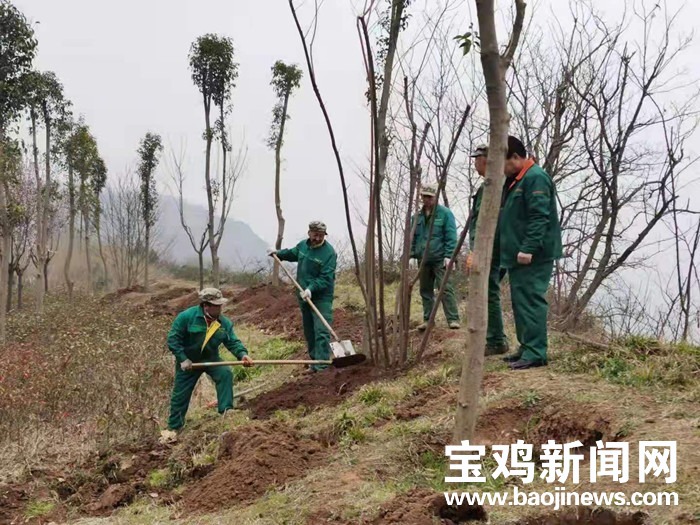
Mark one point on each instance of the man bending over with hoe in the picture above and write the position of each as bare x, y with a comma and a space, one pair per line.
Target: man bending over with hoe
316, 262
195, 336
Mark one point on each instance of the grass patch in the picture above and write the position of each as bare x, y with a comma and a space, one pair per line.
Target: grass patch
39, 508
635, 361
349, 429
370, 395
271, 348
159, 478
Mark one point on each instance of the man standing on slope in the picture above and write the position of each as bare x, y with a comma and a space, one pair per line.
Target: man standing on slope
496, 342
443, 241
530, 241
195, 336
316, 263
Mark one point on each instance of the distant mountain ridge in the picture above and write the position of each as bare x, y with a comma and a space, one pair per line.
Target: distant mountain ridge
240, 249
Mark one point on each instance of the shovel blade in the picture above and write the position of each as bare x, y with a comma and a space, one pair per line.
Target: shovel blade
342, 349
350, 360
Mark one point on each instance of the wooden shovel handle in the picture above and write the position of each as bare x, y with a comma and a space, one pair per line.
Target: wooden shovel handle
312, 305
197, 366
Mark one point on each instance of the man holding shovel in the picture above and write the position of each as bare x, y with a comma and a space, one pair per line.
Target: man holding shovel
316, 263
194, 337
496, 342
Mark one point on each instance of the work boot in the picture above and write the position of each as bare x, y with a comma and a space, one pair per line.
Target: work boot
454, 325
496, 349
423, 326
512, 358
522, 364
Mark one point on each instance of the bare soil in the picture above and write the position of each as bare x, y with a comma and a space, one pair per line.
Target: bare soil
588, 516
251, 462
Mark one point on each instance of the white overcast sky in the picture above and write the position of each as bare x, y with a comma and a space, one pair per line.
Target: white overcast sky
124, 65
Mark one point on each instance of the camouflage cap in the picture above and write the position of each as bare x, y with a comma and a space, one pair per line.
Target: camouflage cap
429, 190
317, 226
482, 150
212, 296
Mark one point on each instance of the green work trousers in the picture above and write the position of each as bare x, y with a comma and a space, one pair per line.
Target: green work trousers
184, 386
318, 338
495, 336
528, 290
430, 278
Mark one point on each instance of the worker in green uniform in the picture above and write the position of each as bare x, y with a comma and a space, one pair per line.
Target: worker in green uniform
316, 263
443, 242
530, 242
195, 336
496, 341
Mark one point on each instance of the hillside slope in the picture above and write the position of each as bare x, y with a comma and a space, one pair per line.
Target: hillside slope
355, 446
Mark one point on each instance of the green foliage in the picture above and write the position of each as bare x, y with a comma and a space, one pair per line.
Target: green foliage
213, 69
84, 159
468, 40
285, 79
149, 150
17, 51
45, 96
348, 429
275, 348
636, 361
370, 395
531, 399
38, 509
159, 478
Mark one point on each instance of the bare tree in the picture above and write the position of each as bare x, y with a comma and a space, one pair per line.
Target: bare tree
177, 175
631, 185
495, 66
125, 229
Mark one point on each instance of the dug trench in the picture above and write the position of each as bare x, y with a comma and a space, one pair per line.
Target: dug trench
424, 507
251, 461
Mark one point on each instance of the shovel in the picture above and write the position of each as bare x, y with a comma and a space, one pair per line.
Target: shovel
336, 362
338, 347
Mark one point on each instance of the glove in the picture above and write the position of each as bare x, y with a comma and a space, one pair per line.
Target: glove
413, 264
271, 252
446, 262
186, 365
306, 294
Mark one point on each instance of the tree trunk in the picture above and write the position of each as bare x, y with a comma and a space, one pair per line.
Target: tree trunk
10, 285
494, 66
86, 231
46, 276
278, 198
39, 243
102, 255
200, 254
145, 262
71, 233
4, 251
213, 247
20, 289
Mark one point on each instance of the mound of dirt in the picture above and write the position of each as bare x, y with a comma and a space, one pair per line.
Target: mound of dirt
421, 507
276, 310
588, 516
559, 421
114, 480
327, 388
566, 423
251, 462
